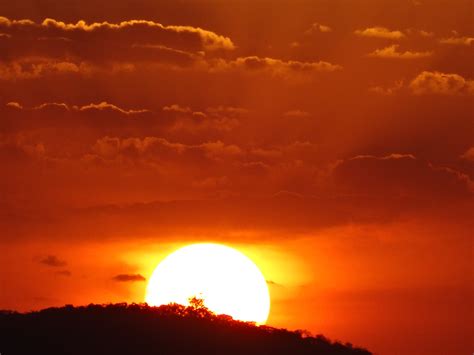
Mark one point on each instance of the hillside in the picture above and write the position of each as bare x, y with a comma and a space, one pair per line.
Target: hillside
140, 329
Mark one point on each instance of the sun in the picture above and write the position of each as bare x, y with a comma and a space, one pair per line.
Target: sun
227, 281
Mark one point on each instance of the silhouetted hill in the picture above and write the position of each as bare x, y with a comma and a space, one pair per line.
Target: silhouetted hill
139, 329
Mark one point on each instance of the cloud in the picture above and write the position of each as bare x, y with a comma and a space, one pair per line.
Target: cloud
46, 106
161, 150
18, 148
54, 47
53, 261
274, 284
457, 40
101, 106
32, 68
158, 52
112, 147
14, 105
52, 108
400, 175
392, 53
461, 176
104, 118
421, 33
222, 118
227, 111
276, 67
220, 150
99, 118
255, 217
200, 167
469, 154
127, 32
389, 90
297, 152
177, 108
33, 50
380, 32
441, 84
107, 106
129, 278
317, 27
219, 111
185, 111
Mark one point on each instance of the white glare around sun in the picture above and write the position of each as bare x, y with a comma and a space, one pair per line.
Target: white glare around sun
228, 282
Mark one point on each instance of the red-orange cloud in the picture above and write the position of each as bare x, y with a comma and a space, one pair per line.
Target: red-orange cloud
441, 84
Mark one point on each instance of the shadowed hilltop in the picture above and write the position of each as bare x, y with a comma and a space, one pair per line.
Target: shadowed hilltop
141, 329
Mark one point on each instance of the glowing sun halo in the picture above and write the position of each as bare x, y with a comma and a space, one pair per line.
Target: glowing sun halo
227, 281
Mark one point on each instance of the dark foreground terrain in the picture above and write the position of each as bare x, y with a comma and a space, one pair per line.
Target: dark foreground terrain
139, 329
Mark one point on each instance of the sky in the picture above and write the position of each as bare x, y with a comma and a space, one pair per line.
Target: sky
330, 141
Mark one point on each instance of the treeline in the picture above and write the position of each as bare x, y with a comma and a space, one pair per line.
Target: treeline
139, 329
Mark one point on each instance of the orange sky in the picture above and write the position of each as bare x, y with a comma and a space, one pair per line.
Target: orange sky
331, 141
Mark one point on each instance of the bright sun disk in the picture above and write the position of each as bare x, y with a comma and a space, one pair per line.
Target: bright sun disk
227, 281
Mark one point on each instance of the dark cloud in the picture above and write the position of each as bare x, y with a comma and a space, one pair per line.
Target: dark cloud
104, 118
129, 278
18, 149
80, 38
157, 149
198, 122
277, 67
53, 261
232, 218
274, 284
400, 175
31, 50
